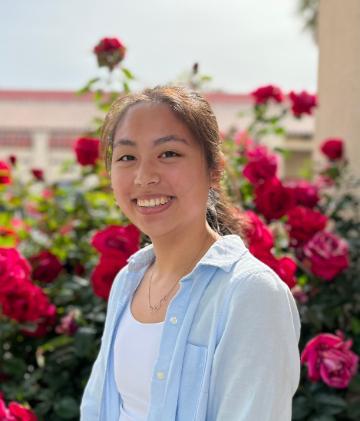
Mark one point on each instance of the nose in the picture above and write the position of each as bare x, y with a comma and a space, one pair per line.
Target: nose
146, 174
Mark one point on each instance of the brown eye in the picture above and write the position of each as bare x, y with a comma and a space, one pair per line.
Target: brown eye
126, 158
170, 154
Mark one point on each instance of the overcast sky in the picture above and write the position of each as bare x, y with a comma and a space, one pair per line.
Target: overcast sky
47, 44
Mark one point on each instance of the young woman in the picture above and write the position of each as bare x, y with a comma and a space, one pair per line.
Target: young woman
197, 328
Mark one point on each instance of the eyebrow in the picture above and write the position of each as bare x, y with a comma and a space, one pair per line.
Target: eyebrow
159, 141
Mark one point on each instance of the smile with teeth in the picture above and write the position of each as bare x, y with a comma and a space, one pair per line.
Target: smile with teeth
153, 202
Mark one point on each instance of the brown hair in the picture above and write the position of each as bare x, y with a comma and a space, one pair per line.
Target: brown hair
195, 112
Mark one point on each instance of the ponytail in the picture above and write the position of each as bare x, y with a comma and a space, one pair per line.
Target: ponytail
221, 215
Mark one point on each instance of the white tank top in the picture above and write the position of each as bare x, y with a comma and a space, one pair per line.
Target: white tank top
135, 352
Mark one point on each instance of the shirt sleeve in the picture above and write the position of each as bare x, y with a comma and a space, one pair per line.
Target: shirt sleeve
256, 366
91, 399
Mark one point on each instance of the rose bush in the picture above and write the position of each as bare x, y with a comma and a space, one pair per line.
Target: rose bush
308, 232
63, 243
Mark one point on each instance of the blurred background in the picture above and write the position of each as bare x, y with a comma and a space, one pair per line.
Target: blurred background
46, 52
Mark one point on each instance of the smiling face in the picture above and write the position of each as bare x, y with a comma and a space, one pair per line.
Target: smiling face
158, 172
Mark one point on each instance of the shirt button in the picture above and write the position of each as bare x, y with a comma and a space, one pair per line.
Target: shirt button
160, 375
173, 320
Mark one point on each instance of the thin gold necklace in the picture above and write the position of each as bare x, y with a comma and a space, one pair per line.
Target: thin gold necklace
165, 297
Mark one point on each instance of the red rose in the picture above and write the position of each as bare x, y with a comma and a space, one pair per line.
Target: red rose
87, 150
104, 274
261, 165
285, 267
327, 255
46, 266
266, 93
44, 325
38, 174
4, 412
109, 52
14, 270
21, 413
333, 149
302, 103
257, 233
272, 199
328, 357
28, 303
305, 193
5, 176
117, 241
303, 223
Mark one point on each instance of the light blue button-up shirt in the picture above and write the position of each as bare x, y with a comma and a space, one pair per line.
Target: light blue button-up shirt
229, 347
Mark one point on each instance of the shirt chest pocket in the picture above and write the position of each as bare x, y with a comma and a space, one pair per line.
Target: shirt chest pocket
192, 382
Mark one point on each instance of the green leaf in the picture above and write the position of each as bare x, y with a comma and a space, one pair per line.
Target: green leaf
355, 326
7, 241
301, 408
126, 87
87, 87
16, 367
5, 219
329, 404
354, 386
302, 279
55, 343
322, 418
43, 407
67, 408
280, 131
353, 410
285, 152
127, 73
205, 78
84, 341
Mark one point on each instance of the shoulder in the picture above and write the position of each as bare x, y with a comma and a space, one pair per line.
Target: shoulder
248, 275
251, 284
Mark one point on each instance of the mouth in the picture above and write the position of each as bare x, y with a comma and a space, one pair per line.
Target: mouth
157, 202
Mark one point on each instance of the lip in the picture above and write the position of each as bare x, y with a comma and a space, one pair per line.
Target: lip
156, 209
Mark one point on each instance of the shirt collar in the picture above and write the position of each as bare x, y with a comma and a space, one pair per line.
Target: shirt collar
223, 254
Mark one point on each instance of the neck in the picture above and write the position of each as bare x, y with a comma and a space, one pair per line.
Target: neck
177, 255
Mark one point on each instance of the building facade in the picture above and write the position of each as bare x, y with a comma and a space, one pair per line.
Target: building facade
40, 127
